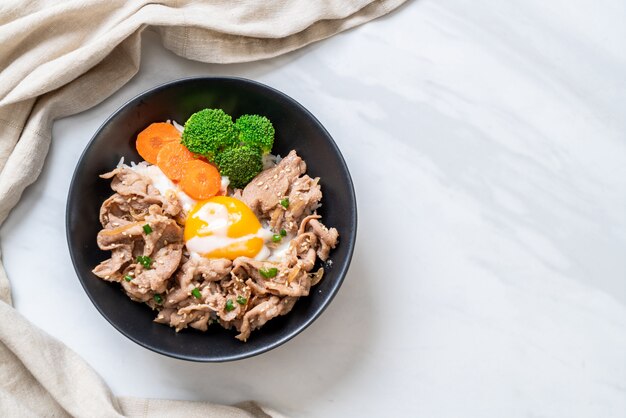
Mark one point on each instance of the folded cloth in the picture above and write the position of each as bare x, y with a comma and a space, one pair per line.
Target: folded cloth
60, 58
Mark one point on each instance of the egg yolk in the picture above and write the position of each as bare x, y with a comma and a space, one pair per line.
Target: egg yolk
224, 220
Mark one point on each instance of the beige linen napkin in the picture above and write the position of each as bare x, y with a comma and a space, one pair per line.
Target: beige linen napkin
58, 58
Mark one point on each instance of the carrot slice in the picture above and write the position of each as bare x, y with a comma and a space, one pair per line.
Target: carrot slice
171, 159
200, 180
151, 140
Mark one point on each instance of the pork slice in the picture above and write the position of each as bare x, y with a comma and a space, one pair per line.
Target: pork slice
177, 296
202, 269
169, 204
328, 238
115, 211
308, 259
259, 315
195, 316
201, 323
244, 267
211, 269
126, 181
302, 249
198, 316
247, 270
164, 230
164, 315
232, 288
296, 288
178, 321
200, 307
297, 282
304, 197
110, 269
305, 222
287, 180
258, 289
212, 295
165, 262
163, 245
136, 293
140, 193
110, 239
270, 186
204, 274
121, 242
288, 281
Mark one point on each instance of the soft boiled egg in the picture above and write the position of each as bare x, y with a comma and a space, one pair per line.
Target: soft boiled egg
225, 227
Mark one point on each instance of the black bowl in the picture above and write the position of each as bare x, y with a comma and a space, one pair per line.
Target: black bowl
296, 128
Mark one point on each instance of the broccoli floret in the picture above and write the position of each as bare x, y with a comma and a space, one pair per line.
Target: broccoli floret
255, 130
240, 164
208, 132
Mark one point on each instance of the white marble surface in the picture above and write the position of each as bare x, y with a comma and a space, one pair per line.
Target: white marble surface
487, 142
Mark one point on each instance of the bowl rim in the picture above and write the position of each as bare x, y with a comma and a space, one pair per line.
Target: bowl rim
350, 240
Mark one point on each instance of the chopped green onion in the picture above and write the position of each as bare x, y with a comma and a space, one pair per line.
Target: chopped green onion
128, 278
241, 300
145, 261
283, 233
285, 203
276, 238
147, 229
196, 293
158, 299
229, 305
268, 273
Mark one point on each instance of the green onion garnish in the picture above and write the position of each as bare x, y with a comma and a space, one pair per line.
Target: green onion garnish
283, 233
276, 238
268, 273
128, 278
145, 261
241, 300
196, 293
285, 203
229, 305
147, 229
158, 299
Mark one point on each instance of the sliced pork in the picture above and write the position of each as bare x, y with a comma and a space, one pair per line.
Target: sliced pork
142, 230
